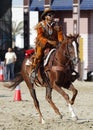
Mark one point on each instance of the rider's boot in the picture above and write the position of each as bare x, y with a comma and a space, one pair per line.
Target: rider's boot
34, 68
32, 74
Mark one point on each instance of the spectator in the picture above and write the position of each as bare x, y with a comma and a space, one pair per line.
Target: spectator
10, 59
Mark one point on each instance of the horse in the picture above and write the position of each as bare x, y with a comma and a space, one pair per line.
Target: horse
57, 74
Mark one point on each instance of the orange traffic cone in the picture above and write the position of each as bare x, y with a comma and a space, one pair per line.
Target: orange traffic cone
1, 74
17, 96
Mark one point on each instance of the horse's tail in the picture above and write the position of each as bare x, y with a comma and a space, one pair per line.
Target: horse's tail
16, 81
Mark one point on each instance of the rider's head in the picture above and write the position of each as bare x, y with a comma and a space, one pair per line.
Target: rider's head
48, 15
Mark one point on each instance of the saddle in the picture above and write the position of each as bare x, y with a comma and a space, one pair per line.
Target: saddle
40, 67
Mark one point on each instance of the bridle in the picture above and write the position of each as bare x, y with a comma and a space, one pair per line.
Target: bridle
67, 54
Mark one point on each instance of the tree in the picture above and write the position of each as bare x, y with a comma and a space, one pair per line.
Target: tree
16, 29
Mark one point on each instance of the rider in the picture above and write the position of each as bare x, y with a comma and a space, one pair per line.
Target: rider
48, 33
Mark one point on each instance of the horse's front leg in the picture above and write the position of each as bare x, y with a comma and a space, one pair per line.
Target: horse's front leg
74, 91
61, 91
36, 103
73, 114
49, 99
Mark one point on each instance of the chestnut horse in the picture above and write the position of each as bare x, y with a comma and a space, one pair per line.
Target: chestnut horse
57, 73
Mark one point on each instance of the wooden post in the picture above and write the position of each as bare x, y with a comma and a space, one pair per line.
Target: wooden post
26, 24
76, 28
47, 4
76, 16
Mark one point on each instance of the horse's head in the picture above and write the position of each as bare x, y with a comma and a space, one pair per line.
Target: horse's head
70, 48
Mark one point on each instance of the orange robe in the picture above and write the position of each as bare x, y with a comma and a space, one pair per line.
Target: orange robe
45, 33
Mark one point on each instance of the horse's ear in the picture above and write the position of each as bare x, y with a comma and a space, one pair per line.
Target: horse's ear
76, 35
65, 36
68, 36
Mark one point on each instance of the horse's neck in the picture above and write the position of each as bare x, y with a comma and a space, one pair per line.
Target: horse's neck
60, 56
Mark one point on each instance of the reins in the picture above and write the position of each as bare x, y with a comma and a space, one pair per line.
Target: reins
64, 54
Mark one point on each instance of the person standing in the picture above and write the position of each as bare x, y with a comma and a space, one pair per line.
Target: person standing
10, 59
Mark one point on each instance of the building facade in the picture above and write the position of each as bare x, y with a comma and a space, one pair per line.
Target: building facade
64, 10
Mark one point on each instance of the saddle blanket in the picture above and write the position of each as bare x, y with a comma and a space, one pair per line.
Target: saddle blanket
28, 62
47, 58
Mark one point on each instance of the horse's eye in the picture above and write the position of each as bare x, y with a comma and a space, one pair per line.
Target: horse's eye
69, 46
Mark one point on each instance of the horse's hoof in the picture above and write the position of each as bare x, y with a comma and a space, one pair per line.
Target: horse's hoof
42, 121
61, 116
71, 102
75, 118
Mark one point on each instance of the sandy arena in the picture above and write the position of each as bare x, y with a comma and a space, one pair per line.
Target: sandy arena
22, 115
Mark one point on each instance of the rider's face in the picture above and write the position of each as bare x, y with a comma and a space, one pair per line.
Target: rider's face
49, 18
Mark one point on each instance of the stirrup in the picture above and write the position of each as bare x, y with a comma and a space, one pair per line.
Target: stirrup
33, 75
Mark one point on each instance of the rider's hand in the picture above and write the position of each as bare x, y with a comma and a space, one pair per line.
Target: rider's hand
52, 42
57, 28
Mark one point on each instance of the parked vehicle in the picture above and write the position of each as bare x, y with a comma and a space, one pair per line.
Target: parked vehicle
90, 76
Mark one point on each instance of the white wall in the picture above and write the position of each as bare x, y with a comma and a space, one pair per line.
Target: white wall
33, 22
17, 16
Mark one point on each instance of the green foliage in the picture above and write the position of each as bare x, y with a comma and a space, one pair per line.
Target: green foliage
17, 29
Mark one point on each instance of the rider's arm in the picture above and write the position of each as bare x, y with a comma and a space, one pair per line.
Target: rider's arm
40, 31
60, 36
59, 33
42, 39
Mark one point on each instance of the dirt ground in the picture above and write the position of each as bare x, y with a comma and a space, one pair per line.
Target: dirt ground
22, 115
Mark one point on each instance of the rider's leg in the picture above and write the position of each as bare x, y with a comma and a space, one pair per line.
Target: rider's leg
37, 58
